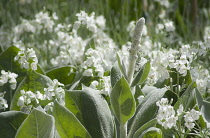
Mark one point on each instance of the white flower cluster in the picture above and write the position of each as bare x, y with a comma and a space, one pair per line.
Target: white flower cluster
55, 91
8, 77
90, 21
103, 86
166, 114
42, 23
3, 102
27, 59
190, 117
202, 78
31, 99
27, 97
167, 117
167, 25
71, 48
164, 3
94, 62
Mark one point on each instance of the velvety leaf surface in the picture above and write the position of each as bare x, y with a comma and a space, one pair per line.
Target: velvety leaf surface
206, 112
146, 110
95, 113
152, 132
146, 126
187, 98
115, 75
68, 126
10, 122
37, 125
62, 74
72, 106
141, 75
122, 101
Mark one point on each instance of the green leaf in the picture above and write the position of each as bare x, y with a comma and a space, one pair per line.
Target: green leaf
37, 125
33, 82
206, 112
68, 126
146, 126
199, 98
10, 122
7, 63
146, 110
152, 132
142, 74
115, 75
122, 101
161, 82
187, 98
62, 74
138, 93
96, 115
121, 66
147, 89
86, 80
70, 104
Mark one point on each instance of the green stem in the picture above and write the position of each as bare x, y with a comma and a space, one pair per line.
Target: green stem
123, 130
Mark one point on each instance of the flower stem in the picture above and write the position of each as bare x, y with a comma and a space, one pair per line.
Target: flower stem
135, 48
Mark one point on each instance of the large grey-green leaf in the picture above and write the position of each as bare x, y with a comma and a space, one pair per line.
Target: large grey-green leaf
206, 112
68, 126
72, 106
121, 65
37, 125
10, 122
122, 101
199, 98
187, 98
152, 132
62, 74
95, 112
33, 82
115, 75
146, 126
141, 75
146, 110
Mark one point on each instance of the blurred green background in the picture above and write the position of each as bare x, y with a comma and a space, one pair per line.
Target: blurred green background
189, 16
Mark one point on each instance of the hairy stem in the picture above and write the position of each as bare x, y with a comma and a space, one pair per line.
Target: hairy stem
123, 131
135, 48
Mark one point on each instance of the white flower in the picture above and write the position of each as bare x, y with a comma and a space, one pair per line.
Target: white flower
27, 58
190, 117
55, 91
94, 84
21, 101
140, 98
3, 102
88, 72
169, 26
77, 25
189, 125
180, 110
101, 21
26, 98
49, 106
166, 114
8, 77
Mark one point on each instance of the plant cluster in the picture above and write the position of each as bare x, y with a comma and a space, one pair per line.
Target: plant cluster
94, 89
